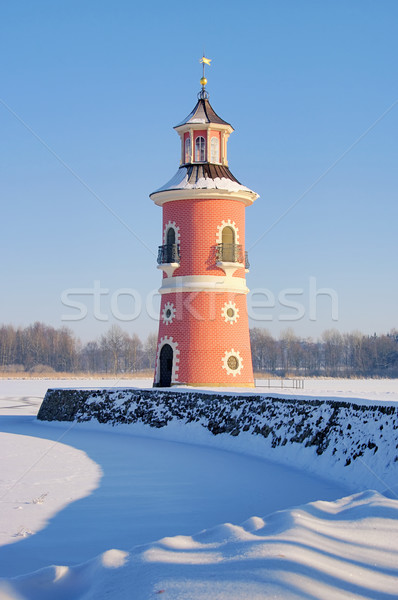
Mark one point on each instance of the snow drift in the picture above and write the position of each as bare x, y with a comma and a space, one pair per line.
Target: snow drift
324, 550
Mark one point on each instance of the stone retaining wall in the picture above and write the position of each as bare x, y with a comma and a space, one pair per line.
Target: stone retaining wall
342, 431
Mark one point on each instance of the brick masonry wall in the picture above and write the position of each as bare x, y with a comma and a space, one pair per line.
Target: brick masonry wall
198, 220
203, 335
198, 328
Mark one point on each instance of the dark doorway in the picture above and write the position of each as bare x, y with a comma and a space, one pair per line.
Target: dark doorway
166, 366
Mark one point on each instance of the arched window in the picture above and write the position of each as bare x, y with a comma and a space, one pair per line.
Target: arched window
228, 244
215, 150
200, 149
228, 235
171, 248
188, 149
171, 236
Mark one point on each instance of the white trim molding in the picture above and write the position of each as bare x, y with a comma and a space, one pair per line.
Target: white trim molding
191, 127
245, 196
220, 228
168, 268
171, 225
229, 268
203, 283
176, 358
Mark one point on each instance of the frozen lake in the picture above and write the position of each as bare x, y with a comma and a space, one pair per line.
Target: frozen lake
149, 489
72, 492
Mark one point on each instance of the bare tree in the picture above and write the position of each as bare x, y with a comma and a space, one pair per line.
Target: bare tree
264, 350
113, 345
150, 351
333, 351
133, 353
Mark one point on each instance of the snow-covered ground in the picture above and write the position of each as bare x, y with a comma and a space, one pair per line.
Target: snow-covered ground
92, 500
384, 390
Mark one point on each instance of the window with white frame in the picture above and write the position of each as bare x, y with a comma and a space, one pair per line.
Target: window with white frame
200, 149
188, 149
215, 150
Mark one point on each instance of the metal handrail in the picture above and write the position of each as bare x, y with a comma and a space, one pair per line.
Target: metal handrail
231, 253
169, 253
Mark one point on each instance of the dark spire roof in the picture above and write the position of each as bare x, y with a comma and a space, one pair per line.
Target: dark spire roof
208, 171
203, 113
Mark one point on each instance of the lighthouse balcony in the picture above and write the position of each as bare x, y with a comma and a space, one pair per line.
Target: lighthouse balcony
169, 258
231, 257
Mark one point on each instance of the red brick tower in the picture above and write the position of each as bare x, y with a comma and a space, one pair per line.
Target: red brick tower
203, 330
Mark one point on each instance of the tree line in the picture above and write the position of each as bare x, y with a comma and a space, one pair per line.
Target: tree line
42, 348
335, 354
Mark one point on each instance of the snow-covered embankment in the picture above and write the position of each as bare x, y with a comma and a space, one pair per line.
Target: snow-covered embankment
354, 443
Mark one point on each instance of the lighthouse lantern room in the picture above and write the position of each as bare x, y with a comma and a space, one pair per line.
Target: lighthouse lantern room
203, 330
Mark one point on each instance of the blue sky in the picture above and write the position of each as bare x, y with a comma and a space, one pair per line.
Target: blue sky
103, 83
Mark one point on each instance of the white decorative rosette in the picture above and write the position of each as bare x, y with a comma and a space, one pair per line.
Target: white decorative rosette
232, 362
230, 312
168, 313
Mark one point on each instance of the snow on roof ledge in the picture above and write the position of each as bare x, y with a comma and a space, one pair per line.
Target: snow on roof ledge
180, 181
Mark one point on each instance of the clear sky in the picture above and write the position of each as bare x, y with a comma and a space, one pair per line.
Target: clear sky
311, 89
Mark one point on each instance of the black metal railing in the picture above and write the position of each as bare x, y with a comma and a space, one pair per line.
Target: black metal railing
169, 253
247, 264
231, 253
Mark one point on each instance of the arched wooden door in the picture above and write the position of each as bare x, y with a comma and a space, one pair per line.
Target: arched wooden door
166, 365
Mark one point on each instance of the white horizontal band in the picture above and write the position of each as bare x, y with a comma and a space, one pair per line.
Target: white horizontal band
203, 283
245, 196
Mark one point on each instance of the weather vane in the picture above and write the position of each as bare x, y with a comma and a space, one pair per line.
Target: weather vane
204, 61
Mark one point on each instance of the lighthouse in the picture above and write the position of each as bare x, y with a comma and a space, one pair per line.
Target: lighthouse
203, 335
